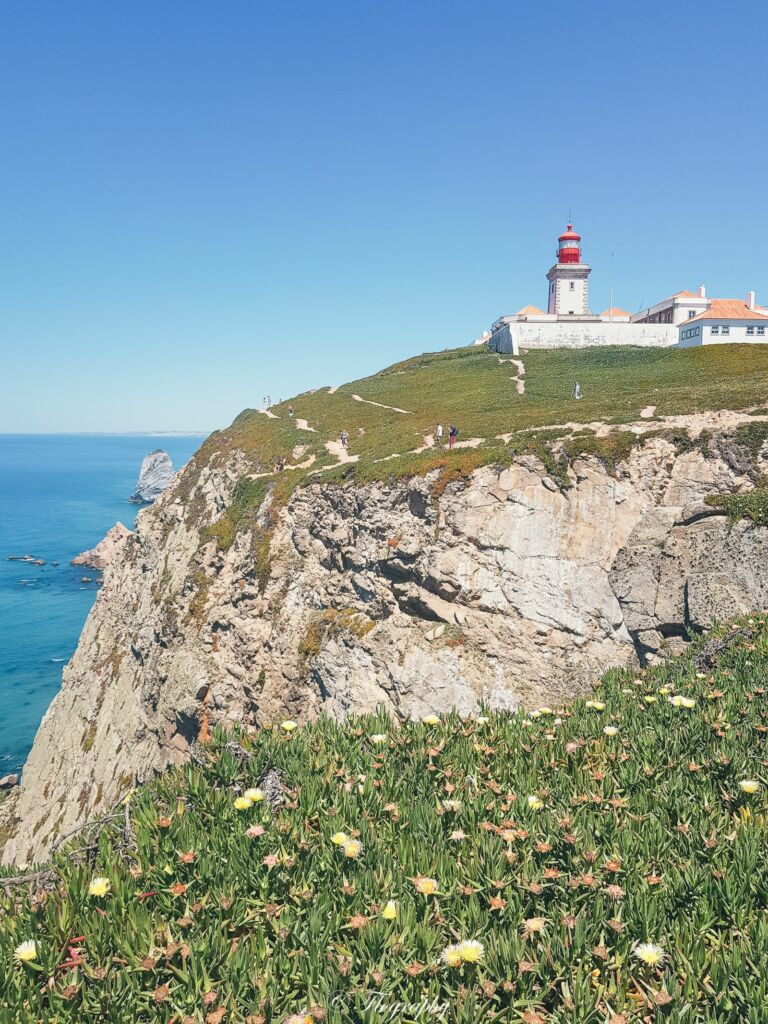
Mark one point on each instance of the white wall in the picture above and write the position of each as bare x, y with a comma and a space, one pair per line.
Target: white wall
564, 335
737, 334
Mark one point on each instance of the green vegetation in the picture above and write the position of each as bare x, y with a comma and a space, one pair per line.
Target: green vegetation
752, 436
753, 505
558, 841
333, 623
475, 389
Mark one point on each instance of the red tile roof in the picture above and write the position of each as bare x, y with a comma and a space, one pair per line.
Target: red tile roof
615, 311
530, 311
727, 309
686, 295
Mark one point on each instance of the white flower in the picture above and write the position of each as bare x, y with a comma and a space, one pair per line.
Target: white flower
650, 954
378, 738
26, 951
611, 730
596, 705
535, 803
749, 785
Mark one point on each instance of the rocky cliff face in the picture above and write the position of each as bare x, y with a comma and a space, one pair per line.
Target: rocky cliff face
505, 589
155, 476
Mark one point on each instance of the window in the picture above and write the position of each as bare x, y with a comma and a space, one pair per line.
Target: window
750, 331
725, 330
698, 331
761, 331
572, 286
714, 330
691, 312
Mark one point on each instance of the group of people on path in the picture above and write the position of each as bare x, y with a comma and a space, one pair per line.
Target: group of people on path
453, 433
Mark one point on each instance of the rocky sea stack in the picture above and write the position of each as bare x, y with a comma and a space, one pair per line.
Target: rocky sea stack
155, 477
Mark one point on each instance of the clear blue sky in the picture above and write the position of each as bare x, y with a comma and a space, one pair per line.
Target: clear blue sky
202, 203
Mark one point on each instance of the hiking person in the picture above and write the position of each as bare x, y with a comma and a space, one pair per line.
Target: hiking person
290, 411
344, 438
453, 433
577, 390
439, 434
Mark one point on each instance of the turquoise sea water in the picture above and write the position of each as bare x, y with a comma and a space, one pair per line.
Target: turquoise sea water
59, 494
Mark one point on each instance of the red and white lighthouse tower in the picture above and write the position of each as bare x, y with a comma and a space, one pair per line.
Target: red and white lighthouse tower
569, 278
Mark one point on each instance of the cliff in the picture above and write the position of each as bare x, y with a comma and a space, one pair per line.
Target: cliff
512, 573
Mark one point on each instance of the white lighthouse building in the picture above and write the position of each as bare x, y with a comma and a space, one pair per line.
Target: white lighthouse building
568, 322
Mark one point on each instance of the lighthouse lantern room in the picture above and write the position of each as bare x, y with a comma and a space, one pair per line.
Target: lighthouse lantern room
569, 278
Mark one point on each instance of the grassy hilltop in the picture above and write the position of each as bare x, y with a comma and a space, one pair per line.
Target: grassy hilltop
476, 390
603, 863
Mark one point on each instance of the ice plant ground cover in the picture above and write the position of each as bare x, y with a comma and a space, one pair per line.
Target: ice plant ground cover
419, 873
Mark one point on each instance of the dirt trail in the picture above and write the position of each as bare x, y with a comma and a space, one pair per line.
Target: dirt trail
647, 412
393, 408
472, 442
342, 455
332, 391
268, 413
694, 423
303, 425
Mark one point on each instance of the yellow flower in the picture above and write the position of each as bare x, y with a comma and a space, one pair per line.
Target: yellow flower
535, 803
389, 913
99, 887
288, 726
679, 701
611, 730
426, 886
533, 714
451, 956
254, 795
431, 719
749, 785
242, 803
649, 698
471, 951
596, 705
352, 848
546, 711
26, 951
378, 738
339, 838
649, 953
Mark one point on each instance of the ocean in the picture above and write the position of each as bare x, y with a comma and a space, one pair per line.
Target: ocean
59, 494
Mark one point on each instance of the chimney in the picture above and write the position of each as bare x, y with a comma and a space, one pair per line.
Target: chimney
750, 300
702, 291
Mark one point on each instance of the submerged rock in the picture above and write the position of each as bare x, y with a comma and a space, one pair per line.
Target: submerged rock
9, 781
100, 556
155, 477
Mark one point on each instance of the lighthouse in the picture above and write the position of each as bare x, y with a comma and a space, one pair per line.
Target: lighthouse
569, 278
